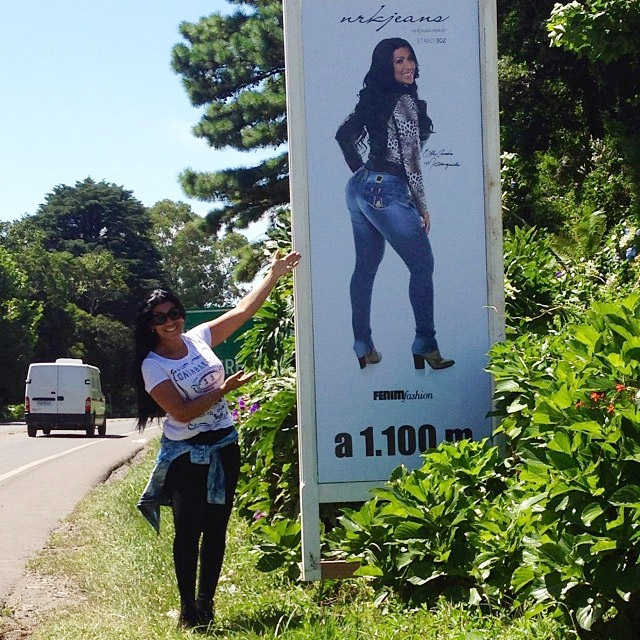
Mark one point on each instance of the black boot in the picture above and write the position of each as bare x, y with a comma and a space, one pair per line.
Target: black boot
205, 611
188, 616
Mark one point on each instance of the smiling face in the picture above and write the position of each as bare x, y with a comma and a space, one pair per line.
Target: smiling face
172, 328
404, 66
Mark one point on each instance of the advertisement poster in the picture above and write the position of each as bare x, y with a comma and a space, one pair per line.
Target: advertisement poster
377, 289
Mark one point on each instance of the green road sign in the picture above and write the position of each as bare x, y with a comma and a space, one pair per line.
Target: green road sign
228, 350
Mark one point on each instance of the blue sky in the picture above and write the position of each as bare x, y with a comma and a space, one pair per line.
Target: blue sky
87, 89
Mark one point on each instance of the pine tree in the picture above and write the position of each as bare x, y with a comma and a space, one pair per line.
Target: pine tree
234, 64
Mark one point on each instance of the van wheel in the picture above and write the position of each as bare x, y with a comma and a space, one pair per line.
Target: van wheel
91, 429
46, 431
102, 429
32, 430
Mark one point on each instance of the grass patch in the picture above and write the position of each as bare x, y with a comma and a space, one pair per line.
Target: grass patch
125, 573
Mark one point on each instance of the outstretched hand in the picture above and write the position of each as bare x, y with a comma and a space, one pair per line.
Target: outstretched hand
279, 266
238, 379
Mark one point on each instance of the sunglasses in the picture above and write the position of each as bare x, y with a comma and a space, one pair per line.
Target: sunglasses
161, 317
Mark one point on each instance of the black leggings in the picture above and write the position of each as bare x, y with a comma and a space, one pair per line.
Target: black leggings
194, 518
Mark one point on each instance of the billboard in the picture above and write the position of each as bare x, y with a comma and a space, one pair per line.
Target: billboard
395, 193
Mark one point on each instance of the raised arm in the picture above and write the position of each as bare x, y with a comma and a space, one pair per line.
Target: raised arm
222, 327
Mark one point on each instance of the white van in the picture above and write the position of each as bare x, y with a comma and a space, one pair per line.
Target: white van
65, 394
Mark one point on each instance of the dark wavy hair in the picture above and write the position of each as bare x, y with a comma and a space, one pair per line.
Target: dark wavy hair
146, 341
380, 76
381, 91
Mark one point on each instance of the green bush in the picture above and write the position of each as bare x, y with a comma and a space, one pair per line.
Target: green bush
268, 494
278, 543
267, 424
533, 280
416, 536
270, 344
554, 526
572, 422
13, 412
546, 287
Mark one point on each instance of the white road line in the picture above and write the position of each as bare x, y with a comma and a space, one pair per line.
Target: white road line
35, 463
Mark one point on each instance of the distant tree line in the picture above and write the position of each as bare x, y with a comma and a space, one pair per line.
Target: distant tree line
72, 276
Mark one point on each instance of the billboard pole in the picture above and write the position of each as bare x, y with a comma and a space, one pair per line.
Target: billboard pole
491, 152
309, 505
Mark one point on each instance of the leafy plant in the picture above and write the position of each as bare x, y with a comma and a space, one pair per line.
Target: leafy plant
270, 344
575, 434
546, 286
532, 280
601, 30
278, 545
413, 537
269, 475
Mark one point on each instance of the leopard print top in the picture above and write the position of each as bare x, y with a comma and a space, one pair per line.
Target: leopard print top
403, 147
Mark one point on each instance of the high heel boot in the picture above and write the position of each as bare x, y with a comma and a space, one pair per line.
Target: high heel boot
433, 359
371, 357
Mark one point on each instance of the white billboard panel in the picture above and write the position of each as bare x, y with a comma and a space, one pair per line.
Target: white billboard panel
370, 279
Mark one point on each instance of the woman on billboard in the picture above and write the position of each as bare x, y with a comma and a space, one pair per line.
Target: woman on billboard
386, 198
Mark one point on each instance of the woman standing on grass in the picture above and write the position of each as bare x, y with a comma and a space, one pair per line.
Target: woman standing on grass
178, 376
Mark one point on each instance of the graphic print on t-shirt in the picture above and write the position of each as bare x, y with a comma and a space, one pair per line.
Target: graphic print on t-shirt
207, 381
197, 375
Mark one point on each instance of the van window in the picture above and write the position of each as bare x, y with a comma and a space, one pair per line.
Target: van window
95, 381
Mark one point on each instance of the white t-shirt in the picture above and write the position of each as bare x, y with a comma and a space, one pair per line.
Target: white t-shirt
198, 372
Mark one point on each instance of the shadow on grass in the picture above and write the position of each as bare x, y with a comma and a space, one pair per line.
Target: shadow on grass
260, 621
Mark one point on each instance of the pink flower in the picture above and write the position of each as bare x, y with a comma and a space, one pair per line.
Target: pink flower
234, 414
242, 403
254, 407
258, 515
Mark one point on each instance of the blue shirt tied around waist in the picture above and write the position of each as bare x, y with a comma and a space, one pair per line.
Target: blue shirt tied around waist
155, 493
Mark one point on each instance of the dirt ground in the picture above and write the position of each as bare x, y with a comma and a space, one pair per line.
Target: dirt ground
35, 596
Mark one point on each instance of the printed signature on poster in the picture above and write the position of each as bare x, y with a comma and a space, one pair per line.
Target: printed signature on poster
439, 158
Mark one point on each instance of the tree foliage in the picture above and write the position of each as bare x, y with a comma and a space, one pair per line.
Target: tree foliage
198, 266
100, 216
570, 127
600, 30
107, 344
19, 317
234, 65
87, 256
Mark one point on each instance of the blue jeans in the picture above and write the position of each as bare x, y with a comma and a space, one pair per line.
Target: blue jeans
382, 211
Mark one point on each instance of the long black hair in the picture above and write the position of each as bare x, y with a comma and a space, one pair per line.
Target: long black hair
145, 341
381, 91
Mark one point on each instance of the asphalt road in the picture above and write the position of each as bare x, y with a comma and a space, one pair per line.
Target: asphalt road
42, 479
